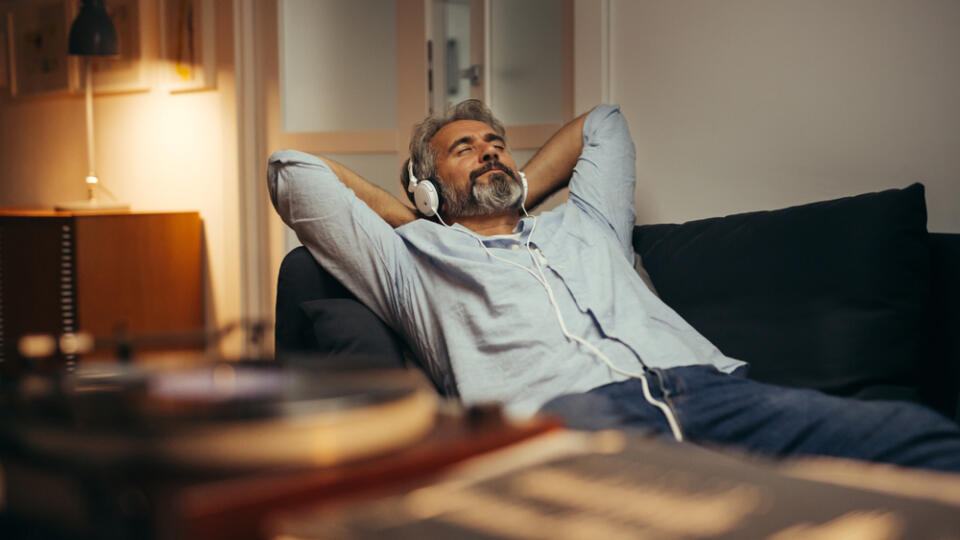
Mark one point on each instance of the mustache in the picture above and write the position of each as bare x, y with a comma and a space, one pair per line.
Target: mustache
492, 165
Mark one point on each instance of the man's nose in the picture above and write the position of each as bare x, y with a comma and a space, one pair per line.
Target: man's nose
490, 153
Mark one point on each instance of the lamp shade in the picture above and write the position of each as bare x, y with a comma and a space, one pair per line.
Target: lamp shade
92, 32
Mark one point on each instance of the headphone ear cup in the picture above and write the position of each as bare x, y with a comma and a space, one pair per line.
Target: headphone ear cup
427, 198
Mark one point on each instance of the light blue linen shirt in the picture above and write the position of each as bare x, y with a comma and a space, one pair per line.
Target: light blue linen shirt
484, 329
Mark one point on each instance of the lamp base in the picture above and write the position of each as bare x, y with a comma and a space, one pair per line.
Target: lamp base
92, 206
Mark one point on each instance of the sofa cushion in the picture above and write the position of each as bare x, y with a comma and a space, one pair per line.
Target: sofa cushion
831, 295
301, 279
346, 329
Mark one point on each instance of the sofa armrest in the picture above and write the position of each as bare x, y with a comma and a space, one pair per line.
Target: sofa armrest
942, 387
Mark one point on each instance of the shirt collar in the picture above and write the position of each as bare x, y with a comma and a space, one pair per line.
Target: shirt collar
524, 225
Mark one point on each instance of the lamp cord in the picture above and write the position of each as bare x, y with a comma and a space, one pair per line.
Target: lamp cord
93, 182
88, 75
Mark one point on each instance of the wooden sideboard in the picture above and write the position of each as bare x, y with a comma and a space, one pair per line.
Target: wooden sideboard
139, 273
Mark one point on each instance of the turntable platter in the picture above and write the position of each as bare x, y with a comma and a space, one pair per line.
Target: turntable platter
223, 416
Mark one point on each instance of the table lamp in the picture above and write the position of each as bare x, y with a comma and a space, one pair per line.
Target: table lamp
92, 34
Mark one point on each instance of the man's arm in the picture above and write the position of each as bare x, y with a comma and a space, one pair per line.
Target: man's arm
384, 204
551, 167
548, 171
358, 247
604, 180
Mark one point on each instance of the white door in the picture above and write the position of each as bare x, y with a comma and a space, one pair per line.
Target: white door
515, 55
349, 78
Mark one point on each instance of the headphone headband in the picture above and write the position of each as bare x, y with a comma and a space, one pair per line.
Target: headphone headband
412, 184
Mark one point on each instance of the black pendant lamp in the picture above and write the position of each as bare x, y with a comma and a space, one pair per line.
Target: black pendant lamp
92, 32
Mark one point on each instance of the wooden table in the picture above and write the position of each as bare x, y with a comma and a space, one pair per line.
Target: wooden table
97, 272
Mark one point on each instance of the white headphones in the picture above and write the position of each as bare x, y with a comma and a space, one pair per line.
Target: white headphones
426, 192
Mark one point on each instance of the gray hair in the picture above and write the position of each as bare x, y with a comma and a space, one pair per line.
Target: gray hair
424, 158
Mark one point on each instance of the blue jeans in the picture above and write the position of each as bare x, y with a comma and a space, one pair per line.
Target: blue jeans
731, 410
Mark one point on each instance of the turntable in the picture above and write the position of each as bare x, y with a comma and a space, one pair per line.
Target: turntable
127, 451
224, 415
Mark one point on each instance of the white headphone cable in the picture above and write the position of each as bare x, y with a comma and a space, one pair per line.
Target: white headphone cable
542, 279
667, 412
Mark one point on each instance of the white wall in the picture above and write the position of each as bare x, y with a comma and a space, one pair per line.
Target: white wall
741, 105
154, 150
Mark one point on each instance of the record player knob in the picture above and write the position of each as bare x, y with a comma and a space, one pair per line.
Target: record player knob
37, 346
43, 345
76, 343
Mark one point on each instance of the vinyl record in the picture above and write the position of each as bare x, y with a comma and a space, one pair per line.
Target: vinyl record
225, 415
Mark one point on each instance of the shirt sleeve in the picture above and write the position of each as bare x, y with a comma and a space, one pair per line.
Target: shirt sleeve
604, 178
349, 239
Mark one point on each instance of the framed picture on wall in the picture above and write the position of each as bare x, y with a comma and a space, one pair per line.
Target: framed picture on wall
38, 48
125, 72
188, 44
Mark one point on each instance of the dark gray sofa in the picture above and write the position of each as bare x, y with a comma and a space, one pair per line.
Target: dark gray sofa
852, 297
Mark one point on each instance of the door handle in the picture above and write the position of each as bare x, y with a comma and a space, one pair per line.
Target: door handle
472, 73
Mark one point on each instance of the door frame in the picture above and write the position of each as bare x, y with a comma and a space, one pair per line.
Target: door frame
585, 77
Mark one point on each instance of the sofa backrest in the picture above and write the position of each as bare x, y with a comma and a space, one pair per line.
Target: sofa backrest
707, 270
844, 296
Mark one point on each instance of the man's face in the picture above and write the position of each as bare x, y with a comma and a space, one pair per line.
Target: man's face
477, 174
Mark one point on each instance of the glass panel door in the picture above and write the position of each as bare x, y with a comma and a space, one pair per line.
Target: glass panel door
515, 55
526, 61
348, 78
334, 75
456, 73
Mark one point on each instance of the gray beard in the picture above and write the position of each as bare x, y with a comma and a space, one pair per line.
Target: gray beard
501, 192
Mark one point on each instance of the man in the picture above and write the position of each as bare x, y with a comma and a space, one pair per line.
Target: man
547, 313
